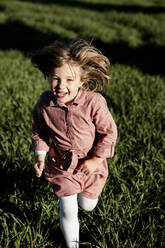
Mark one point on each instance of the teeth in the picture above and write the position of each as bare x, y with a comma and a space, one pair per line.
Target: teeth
61, 93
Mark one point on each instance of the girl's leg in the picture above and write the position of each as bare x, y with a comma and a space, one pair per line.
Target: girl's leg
69, 220
86, 203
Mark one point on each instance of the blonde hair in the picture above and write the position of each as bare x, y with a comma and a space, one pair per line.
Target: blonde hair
94, 66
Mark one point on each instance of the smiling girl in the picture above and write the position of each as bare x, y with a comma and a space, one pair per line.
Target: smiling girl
81, 128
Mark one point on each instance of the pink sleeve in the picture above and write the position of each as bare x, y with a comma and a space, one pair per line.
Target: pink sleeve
40, 139
106, 129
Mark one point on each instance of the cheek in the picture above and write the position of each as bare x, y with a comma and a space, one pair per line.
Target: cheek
53, 84
73, 89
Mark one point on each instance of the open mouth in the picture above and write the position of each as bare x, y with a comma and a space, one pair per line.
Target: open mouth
61, 94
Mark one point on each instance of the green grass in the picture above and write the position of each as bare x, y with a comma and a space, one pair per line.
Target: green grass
130, 212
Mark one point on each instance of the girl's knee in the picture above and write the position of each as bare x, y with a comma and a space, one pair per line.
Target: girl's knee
69, 213
68, 207
86, 203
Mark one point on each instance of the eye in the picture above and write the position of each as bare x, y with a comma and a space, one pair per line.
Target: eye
55, 79
70, 80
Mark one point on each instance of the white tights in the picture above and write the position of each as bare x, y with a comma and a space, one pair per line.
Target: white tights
69, 216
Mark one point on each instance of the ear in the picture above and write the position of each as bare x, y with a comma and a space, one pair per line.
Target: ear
81, 83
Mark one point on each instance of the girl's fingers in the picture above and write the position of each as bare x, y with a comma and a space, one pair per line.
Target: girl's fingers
37, 170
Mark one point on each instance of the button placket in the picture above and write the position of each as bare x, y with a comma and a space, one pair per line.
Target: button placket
68, 125
67, 122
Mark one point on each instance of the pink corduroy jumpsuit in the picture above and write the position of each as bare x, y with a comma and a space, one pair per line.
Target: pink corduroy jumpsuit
78, 131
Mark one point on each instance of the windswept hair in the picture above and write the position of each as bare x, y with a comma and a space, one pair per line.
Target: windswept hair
94, 66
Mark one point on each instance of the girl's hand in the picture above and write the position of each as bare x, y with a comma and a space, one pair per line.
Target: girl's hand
38, 168
90, 165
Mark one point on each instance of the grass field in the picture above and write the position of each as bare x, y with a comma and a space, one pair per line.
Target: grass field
130, 212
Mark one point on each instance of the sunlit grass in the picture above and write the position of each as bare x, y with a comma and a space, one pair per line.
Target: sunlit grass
130, 212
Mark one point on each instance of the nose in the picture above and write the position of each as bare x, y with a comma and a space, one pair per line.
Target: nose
61, 84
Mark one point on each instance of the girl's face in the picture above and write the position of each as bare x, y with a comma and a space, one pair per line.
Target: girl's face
65, 82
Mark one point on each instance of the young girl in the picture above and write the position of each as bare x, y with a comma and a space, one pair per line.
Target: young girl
80, 126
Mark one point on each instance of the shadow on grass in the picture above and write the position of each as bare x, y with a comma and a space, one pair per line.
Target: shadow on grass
148, 58
16, 35
105, 6
20, 190
24, 180
2, 8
